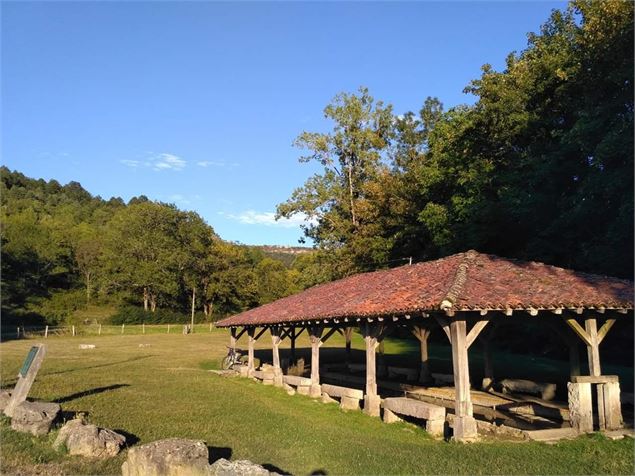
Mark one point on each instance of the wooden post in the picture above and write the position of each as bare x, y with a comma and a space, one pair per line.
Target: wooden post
464, 422
122, 327
315, 334
422, 333
232, 338
348, 335
17, 334
46, 332
277, 371
73, 331
292, 336
26, 377
168, 328
371, 400
143, 327
99, 332
250, 353
210, 327
593, 349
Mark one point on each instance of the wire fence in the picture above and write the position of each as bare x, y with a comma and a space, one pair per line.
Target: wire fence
26, 332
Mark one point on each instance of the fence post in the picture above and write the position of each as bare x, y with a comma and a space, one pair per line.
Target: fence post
99, 329
122, 327
210, 327
168, 328
18, 333
143, 328
73, 331
46, 332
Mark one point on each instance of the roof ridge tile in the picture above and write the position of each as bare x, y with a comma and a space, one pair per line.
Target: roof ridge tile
459, 280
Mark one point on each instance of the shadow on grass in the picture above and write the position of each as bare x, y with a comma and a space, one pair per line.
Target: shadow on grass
219, 452
131, 439
92, 391
133, 359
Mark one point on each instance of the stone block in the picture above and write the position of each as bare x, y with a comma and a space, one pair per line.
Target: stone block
465, 429
435, 427
349, 403
372, 405
612, 405
315, 391
303, 389
83, 439
327, 399
170, 457
580, 406
390, 417
34, 417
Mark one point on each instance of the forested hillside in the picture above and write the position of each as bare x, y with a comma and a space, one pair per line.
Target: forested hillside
539, 168
63, 250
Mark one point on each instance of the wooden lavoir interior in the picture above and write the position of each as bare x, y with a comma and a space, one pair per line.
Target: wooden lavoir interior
466, 295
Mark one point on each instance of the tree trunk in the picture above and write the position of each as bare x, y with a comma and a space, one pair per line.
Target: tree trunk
350, 193
87, 288
146, 297
153, 302
193, 306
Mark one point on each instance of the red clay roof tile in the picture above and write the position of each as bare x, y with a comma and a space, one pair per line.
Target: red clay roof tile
464, 281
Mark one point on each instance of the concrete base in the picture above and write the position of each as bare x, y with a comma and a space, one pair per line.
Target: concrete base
315, 391
390, 417
278, 381
465, 429
349, 403
435, 427
372, 404
303, 389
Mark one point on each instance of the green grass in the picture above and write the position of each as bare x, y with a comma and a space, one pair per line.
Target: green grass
165, 390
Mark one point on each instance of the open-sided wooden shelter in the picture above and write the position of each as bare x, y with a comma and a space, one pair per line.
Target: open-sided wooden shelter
462, 293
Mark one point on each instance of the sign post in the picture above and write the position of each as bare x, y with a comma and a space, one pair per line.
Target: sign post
26, 377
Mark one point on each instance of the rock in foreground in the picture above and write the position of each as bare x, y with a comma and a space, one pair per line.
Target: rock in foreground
34, 417
243, 467
171, 457
85, 439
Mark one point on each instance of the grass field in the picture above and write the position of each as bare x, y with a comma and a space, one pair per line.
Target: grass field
164, 389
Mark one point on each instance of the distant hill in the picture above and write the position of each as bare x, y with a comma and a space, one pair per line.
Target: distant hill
286, 254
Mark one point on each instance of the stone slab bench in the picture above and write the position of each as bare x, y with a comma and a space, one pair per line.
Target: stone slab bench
547, 391
410, 374
302, 384
349, 397
266, 376
434, 415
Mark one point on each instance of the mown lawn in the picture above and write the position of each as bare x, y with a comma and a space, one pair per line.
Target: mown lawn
164, 389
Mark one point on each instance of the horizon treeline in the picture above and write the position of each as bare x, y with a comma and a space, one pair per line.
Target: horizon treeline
540, 168
64, 250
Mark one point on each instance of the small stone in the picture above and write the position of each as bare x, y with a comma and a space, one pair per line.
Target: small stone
84, 439
34, 417
86, 346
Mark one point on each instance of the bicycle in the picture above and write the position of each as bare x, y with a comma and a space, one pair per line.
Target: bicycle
232, 358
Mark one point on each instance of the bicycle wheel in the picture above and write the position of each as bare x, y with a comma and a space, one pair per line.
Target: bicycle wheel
227, 363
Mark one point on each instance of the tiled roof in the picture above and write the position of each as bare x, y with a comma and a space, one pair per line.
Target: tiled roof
461, 282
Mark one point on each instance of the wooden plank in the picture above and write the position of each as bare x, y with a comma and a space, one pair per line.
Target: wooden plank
595, 379
337, 391
241, 333
460, 367
605, 329
264, 329
332, 331
250, 351
414, 408
590, 325
475, 331
577, 328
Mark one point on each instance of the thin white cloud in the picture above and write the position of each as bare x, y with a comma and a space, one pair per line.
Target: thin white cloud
216, 163
252, 217
158, 162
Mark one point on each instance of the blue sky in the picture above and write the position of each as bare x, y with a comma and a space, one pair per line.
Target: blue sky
198, 103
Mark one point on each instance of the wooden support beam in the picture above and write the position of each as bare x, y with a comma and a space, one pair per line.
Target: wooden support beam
302, 329
606, 327
593, 350
444, 322
331, 331
371, 401
348, 335
264, 329
475, 331
232, 338
239, 335
250, 351
464, 423
581, 333
315, 334
286, 332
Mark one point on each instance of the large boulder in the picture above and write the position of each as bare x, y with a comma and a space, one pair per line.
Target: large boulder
84, 439
243, 467
5, 396
34, 417
171, 457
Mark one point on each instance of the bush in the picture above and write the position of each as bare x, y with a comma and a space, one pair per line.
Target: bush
136, 315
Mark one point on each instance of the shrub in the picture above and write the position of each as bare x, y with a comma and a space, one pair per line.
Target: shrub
136, 315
